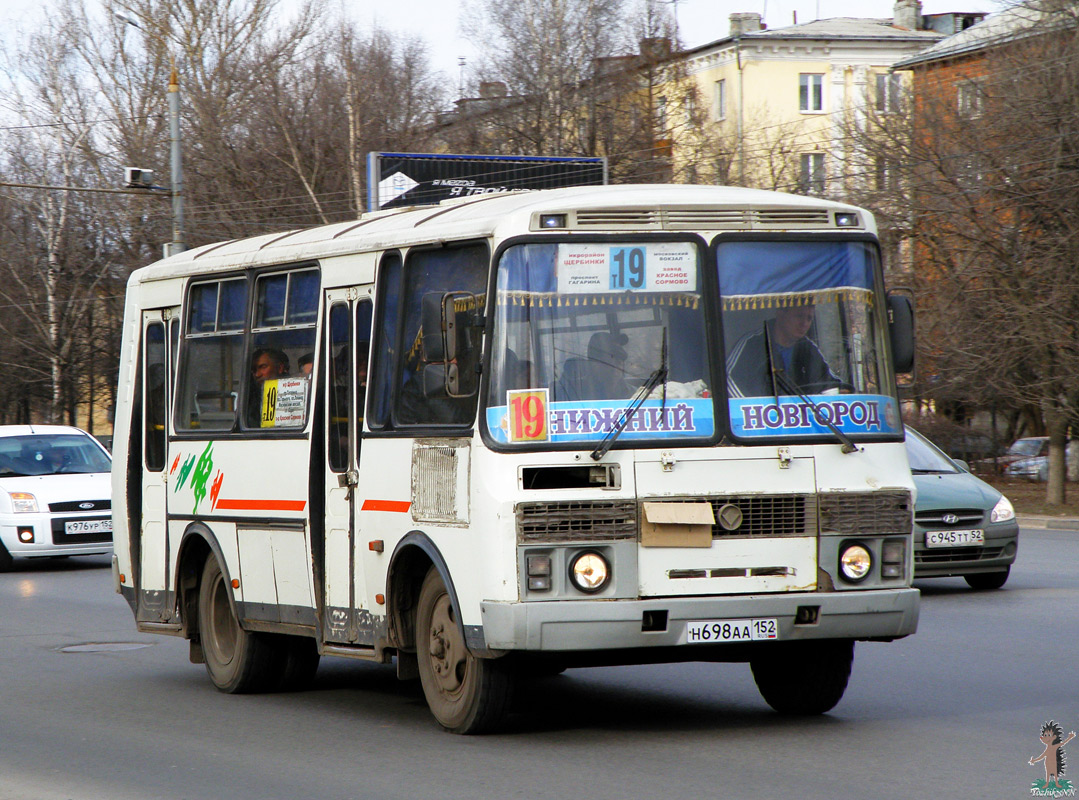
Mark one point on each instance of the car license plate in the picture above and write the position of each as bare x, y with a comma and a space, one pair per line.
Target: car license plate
954, 538
88, 526
705, 631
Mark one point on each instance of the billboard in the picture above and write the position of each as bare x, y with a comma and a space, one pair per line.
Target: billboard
409, 179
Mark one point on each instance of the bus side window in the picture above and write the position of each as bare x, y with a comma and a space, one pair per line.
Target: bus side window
381, 372
363, 348
340, 394
154, 394
283, 339
211, 365
462, 270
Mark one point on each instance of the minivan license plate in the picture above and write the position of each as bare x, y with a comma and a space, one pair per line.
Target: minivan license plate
707, 631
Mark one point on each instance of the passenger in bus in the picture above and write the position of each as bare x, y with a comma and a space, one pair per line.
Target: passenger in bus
601, 376
306, 363
749, 370
267, 363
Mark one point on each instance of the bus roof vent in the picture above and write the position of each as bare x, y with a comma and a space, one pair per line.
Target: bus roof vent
620, 219
787, 218
688, 219
682, 219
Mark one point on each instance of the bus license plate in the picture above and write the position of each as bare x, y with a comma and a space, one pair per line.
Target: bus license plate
88, 526
954, 538
707, 631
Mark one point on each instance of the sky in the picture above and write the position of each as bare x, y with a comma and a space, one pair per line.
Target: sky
436, 21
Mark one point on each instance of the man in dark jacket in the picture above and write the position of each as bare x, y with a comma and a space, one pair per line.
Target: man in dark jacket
749, 368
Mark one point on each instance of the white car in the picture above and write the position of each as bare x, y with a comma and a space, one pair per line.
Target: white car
55, 493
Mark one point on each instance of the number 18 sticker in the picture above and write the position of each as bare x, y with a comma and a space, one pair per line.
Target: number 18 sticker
527, 415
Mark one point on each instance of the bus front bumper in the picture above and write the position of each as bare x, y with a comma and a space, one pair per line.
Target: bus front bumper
576, 625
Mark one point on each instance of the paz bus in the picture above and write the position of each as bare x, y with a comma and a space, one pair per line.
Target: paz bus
522, 432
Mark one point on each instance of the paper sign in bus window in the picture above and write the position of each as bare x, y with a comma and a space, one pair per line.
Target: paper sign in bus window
527, 415
643, 267
284, 402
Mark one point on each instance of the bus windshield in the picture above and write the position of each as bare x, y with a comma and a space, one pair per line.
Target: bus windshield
580, 328
804, 338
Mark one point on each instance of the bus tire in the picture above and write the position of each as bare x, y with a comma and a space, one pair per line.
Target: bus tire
466, 694
237, 661
804, 678
6, 561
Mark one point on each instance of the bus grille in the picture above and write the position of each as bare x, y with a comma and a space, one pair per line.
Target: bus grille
768, 516
872, 513
588, 520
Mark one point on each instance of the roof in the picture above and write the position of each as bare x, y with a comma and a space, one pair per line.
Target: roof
472, 217
835, 28
1013, 23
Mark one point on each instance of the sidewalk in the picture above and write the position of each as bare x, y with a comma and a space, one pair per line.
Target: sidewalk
1052, 523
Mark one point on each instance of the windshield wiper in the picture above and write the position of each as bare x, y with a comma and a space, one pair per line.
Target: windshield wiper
779, 378
658, 374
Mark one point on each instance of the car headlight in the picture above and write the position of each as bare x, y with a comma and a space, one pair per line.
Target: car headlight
855, 562
589, 572
23, 503
1002, 511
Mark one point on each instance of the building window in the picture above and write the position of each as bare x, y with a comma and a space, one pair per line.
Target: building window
721, 100
811, 177
969, 94
811, 92
661, 114
887, 174
888, 87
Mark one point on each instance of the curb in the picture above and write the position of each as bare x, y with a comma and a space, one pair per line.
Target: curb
1050, 523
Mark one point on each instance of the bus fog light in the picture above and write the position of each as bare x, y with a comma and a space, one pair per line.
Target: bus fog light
893, 556
26, 535
855, 562
589, 572
539, 572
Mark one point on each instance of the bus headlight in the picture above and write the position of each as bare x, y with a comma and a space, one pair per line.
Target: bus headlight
23, 503
589, 572
855, 561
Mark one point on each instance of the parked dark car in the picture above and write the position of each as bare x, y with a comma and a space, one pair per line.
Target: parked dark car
962, 525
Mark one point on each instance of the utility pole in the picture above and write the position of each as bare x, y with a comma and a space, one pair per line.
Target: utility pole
176, 173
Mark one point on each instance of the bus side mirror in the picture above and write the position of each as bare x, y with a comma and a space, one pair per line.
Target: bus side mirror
901, 331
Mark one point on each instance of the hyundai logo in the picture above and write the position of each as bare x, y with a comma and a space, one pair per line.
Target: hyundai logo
86, 505
950, 519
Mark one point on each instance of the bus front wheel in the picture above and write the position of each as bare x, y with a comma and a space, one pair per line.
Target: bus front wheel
237, 661
466, 694
804, 678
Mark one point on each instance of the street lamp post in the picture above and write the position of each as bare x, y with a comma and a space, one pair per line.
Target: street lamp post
176, 173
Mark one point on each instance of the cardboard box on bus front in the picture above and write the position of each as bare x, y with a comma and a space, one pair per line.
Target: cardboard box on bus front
677, 525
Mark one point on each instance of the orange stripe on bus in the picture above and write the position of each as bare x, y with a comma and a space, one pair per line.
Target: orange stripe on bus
261, 505
400, 506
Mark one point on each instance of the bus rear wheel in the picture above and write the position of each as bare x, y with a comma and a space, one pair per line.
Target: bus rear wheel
466, 694
804, 678
237, 661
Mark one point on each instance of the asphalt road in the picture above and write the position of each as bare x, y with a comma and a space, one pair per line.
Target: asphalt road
955, 710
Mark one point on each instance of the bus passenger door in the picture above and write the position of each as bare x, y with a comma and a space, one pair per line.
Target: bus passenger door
156, 387
343, 373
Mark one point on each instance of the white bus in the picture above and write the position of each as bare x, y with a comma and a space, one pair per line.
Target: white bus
522, 432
